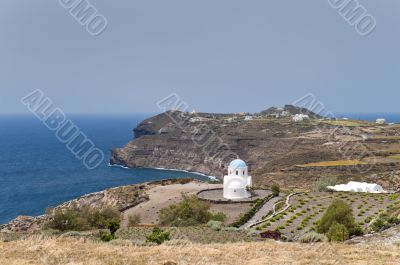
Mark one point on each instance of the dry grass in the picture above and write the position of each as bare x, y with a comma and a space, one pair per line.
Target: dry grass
347, 123
334, 163
50, 251
385, 137
394, 157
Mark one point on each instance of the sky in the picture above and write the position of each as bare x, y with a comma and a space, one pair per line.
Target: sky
218, 56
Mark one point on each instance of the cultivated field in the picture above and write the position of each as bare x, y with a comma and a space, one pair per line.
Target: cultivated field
307, 208
334, 163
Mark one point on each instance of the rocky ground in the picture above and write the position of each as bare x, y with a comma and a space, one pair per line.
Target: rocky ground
389, 236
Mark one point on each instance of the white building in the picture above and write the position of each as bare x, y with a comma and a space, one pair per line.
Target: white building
380, 121
353, 186
237, 181
300, 117
248, 118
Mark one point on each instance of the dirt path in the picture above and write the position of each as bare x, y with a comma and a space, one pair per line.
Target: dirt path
162, 196
267, 207
275, 213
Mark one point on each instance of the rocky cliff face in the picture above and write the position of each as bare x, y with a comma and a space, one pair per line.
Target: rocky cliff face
272, 146
120, 198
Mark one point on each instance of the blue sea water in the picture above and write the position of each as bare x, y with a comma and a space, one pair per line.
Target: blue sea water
389, 117
37, 171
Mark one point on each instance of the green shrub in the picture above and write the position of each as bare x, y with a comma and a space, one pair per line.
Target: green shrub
275, 190
338, 232
378, 225
105, 236
134, 220
394, 220
230, 229
190, 211
99, 218
357, 231
158, 236
338, 212
219, 216
113, 226
323, 182
82, 218
312, 237
215, 225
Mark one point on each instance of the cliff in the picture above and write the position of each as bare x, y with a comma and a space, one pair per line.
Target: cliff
271, 143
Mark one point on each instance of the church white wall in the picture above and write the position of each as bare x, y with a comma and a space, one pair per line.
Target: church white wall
237, 181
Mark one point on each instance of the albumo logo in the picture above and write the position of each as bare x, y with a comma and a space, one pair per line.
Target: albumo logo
86, 15
355, 14
65, 130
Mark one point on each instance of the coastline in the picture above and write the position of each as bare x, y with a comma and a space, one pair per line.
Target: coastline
212, 178
43, 216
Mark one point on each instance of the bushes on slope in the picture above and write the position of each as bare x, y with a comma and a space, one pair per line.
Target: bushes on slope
190, 211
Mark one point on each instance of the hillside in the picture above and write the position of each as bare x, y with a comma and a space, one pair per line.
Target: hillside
276, 148
36, 250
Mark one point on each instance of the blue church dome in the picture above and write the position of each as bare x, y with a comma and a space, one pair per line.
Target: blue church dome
237, 163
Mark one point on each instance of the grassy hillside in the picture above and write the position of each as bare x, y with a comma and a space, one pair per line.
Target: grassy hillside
36, 250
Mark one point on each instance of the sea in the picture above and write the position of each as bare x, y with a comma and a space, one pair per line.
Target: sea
37, 171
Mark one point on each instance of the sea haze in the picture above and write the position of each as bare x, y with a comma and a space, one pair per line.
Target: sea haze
37, 171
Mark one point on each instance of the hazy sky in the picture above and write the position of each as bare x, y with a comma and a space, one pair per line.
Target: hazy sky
219, 56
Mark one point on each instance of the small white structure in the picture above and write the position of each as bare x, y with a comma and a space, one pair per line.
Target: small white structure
353, 186
300, 117
237, 181
380, 121
248, 118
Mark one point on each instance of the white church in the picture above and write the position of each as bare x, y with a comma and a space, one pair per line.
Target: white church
237, 181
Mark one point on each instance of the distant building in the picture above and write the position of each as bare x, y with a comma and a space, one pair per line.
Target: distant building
380, 121
300, 117
197, 119
248, 118
237, 181
285, 113
353, 186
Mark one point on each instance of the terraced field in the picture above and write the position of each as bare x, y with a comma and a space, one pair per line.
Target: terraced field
307, 208
334, 163
196, 234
